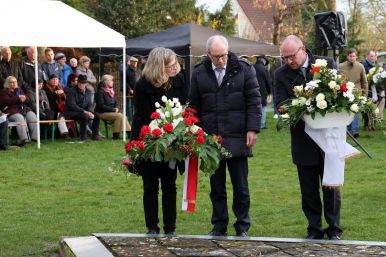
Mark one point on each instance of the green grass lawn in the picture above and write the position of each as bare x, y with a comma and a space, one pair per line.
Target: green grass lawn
67, 190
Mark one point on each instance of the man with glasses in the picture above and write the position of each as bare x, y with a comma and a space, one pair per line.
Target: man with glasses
225, 93
306, 154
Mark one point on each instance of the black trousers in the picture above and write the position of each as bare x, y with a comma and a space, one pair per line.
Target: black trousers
83, 120
152, 173
4, 135
310, 178
238, 170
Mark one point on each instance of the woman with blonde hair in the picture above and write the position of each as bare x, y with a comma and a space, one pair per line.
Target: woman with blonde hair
14, 103
160, 77
107, 107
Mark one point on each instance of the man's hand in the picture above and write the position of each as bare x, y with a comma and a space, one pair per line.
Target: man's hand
251, 138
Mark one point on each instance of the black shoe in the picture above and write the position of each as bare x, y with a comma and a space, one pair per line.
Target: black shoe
334, 237
217, 233
152, 232
171, 234
97, 138
312, 236
242, 234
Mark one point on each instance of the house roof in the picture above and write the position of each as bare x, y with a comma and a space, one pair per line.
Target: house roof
260, 18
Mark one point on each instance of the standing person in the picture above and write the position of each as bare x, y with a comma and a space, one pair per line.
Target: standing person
306, 154
49, 66
107, 107
371, 62
225, 93
265, 84
84, 69
65, 69
9, 67
161, 77
80, 108
27, 67
355, 72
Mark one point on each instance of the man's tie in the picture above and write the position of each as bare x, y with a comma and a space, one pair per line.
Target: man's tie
219, 75
303, 71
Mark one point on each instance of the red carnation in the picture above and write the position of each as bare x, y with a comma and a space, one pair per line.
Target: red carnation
219, 140
189, 132
200, 140
156, 133
168, 127
191, 110
200, 132
315, 70
145, 130
155, 115
141, 145
126, 162
188, 121
343, 88
185, 114
194, 119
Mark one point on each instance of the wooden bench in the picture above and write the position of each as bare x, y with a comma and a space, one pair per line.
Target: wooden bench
53, 126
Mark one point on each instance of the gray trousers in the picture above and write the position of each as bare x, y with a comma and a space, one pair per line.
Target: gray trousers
30, 119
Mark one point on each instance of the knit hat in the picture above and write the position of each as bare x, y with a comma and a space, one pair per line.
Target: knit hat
59, 56
54, 75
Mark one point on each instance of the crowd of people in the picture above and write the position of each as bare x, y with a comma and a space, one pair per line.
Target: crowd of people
230, 96
65, 92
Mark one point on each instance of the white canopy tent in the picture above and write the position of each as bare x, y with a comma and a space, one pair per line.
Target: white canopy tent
39, 23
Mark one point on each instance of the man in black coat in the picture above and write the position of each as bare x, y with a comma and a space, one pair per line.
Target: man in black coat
306, 154
265, 84
79, 107
225, 93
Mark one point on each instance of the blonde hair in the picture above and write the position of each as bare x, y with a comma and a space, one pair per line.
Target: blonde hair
154, 70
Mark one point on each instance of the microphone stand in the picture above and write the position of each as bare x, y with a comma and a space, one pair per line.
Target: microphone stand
359, 144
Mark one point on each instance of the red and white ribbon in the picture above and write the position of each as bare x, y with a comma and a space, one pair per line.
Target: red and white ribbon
189, 193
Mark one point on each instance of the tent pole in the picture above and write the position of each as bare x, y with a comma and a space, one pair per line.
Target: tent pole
37, 95
124, 93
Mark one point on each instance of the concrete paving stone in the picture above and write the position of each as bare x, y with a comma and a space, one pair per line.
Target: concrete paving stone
200, 252
186, 242
246, 248
141, 251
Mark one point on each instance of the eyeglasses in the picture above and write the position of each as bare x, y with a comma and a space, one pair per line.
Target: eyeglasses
291, 57
172, 66
218, 57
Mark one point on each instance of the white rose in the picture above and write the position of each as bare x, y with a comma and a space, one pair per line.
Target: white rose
178, 104
376, 111
295, 102
320, 63
164, 99
194, 128
332, 84
162, 116
321, 104
350, 85
176, 122
363, 99
320, 97
175, 100
176, 111
153, 124
285, 116
354, 108
372, 70
302, 101
308, 102
157, 105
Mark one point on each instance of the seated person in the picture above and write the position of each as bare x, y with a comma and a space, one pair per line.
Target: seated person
106, 106
14, 102
79, 107
45, 112
3, 132
57, 98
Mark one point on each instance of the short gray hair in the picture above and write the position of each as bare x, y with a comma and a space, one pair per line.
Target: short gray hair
84, 59
106, 78
210, 41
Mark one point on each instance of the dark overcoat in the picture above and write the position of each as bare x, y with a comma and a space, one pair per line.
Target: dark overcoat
231, 109
304, 150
